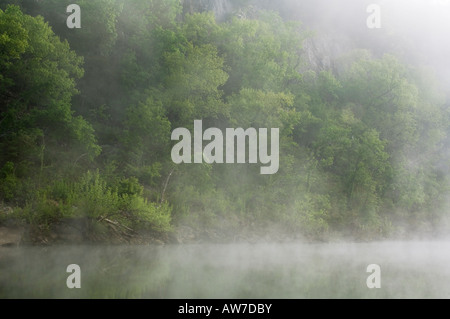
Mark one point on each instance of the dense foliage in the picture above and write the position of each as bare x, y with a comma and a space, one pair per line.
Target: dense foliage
87, 114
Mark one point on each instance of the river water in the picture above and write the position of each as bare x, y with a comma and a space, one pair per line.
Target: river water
295, 270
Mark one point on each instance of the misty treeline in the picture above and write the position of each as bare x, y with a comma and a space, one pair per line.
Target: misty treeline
87, 115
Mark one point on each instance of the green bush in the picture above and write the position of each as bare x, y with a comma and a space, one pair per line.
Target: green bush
92, 199
130, 186
147, 215
309, 216
8, 182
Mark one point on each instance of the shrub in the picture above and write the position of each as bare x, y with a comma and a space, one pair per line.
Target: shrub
8, 182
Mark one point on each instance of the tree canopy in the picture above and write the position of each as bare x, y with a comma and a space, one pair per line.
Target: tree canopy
87, 114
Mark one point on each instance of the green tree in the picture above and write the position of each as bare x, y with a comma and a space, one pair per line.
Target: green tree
38, 80
262, 53
146, 140
192, 85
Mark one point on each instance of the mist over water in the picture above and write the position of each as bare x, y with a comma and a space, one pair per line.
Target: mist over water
417, 32
296, 270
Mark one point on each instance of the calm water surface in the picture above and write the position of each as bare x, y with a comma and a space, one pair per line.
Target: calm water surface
408, 270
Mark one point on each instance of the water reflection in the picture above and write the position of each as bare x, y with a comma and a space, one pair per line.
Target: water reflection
408, 270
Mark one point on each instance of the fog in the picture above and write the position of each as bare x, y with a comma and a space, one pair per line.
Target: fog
418, 33
407, 270
422, 26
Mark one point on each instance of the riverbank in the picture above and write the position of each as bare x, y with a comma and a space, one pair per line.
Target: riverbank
82, 231
79, 232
